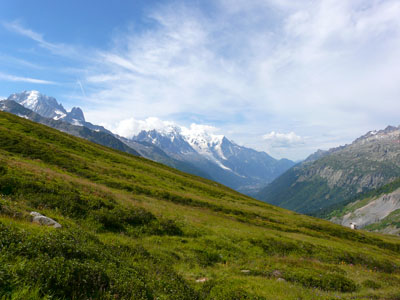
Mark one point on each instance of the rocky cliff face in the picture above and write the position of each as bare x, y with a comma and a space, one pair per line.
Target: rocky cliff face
377, 213
339, 174
374, 211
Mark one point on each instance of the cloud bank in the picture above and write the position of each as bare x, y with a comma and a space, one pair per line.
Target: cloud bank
282, 140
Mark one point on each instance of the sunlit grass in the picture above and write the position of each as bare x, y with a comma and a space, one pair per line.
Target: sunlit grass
135, 229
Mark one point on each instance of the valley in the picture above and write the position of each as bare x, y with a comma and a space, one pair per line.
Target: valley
136, 229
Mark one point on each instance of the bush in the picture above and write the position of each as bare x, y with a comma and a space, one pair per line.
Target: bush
165, 227
73, 264
371, 284
225, 291
207, 258
118, 218
327, 282
8, 184
3, 168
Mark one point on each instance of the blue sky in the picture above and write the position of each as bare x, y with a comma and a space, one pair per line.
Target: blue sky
286, 77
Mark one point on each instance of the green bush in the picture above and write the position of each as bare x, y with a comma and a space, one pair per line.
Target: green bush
8, 184
223, 290
323, 281
3, 168
118, 218
371, 284
72, 264
207, 258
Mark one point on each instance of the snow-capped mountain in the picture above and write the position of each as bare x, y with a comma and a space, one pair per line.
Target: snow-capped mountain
74, 123
194, 150
48, 107
236, 166
43, 105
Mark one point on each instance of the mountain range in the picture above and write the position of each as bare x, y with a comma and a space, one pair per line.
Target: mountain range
328, 178
241, 168
330, 184
132, 228
194, 151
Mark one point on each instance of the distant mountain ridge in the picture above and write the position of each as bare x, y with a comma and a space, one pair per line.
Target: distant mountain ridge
102, 137
48, 107
241, 168
194, 151
330, 177
99, 137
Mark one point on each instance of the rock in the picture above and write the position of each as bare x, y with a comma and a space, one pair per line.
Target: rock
35, 214
281, 280
43, 220
277, 273
245, 271
204, 279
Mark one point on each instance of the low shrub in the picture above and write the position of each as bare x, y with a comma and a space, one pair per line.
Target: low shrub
118, 218
73, 264
371, 284
207, 258
323, 281
225, 291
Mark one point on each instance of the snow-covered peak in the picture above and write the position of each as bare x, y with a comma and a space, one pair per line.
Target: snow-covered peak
31, 100
48, 107
44, 105
202, 138
170, 130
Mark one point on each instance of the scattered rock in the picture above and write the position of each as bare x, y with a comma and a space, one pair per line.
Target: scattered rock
43, 220
204, 279
277, 273
281, 280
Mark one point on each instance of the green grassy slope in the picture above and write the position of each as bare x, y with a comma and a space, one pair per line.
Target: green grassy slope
135, 229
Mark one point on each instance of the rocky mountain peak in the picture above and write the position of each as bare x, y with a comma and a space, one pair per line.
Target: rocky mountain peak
77, 113
390, 132
39, 103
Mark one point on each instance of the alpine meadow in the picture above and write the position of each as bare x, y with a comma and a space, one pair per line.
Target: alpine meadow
136, 229
200, 150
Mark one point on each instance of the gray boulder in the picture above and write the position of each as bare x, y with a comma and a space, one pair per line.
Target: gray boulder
43, 220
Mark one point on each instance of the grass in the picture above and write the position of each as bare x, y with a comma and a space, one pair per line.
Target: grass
136, 229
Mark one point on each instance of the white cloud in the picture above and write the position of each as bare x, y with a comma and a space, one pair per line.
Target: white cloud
6, 59
130, 127
55, 48
282, 140
8, 77
327, 70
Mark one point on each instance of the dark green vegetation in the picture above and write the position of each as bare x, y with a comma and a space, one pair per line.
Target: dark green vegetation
338, 175
136, 229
